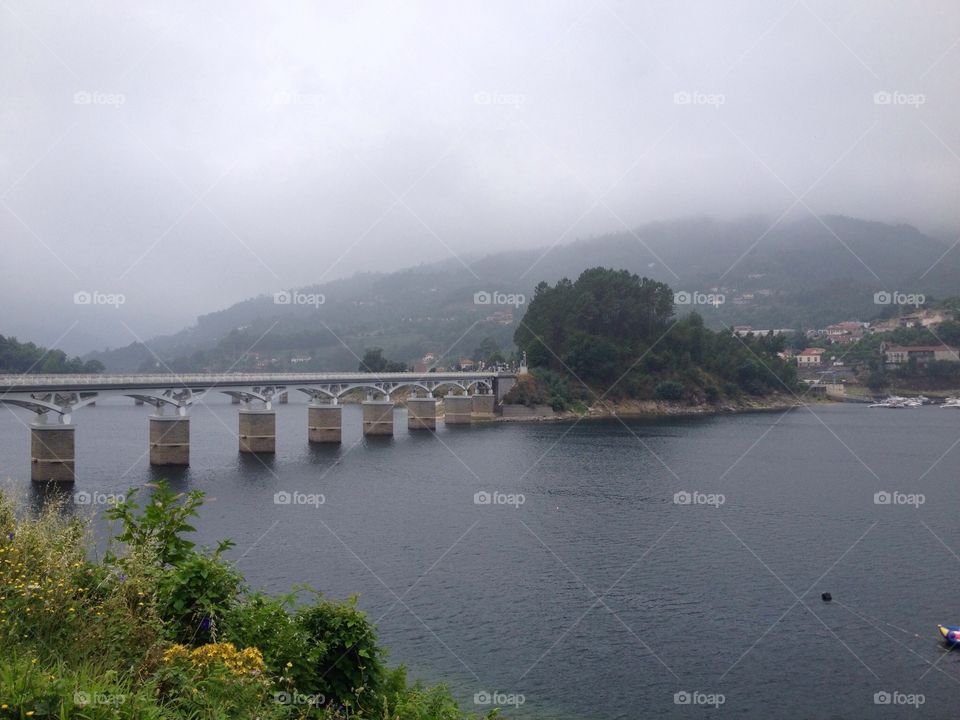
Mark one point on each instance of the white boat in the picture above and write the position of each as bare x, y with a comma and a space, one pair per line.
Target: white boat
896, 402
951, 402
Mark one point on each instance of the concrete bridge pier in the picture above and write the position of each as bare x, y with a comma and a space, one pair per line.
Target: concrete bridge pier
457, 409
324, 422
377, 416
258, 431
169, 440
483, 406
52, 453
421, 413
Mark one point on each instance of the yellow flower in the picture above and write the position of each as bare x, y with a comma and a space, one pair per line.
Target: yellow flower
289, 664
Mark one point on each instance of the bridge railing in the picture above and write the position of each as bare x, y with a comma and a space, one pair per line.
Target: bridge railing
174, 379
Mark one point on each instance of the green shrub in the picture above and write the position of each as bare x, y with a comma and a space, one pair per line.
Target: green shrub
158, 630
195, 594
668, 390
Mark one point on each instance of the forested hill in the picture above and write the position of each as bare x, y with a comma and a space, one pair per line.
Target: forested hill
804, 273
19, 357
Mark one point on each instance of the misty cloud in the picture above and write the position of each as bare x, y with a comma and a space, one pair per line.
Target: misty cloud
188, 157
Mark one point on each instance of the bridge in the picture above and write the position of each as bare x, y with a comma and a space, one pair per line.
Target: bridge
467, 396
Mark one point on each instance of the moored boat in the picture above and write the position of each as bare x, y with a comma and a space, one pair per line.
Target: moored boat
950, 633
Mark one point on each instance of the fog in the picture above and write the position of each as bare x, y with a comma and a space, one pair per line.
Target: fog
188, 157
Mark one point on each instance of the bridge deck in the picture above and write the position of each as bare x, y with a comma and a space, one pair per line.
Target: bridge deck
86, 383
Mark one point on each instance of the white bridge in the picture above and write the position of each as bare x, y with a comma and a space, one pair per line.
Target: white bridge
467, 396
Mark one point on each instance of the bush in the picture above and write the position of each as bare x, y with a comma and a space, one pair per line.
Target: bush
159, 630
668, 390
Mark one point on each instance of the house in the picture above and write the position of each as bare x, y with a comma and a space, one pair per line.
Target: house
896, 355
501, 317
467, 363
923, 318
811, 357
844, 333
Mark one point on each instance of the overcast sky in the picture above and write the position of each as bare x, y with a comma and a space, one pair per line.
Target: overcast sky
189, 155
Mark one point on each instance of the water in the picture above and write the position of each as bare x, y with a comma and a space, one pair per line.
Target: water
599, 596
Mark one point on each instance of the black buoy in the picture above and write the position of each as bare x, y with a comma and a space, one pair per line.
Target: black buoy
826, 597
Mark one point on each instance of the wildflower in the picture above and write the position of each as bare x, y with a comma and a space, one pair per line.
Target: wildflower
289, 664
205, 624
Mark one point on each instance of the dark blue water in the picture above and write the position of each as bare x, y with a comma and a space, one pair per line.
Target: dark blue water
600, 597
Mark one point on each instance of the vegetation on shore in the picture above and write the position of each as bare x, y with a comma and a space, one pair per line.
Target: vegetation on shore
159, 629
613, 335
18, 357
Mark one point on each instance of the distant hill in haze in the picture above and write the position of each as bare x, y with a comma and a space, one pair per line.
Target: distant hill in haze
803, 273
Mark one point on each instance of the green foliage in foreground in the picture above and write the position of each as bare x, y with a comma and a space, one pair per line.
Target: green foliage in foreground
612, 334
159, 629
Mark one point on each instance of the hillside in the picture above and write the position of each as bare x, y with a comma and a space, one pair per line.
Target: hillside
803, 273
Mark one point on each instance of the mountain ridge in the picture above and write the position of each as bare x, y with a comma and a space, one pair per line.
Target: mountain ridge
806, 272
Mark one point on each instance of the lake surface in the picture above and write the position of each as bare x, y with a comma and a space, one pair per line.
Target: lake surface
600, 596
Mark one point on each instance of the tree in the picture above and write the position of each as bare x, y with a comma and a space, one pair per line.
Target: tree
374, 362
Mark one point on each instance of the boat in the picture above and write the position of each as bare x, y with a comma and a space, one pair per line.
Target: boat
950, 633
951, 402
896, 402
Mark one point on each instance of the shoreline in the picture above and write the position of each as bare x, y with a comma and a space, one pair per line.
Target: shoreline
639, 409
